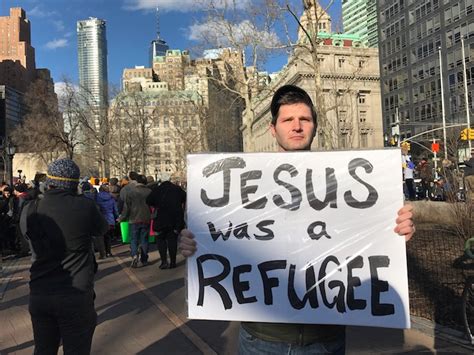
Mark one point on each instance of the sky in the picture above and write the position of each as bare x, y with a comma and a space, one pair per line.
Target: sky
131, 25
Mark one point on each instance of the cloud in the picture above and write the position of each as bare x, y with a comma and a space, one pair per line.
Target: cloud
176, 5
59, 24
62, 89
37, 11
219, 33
57, 43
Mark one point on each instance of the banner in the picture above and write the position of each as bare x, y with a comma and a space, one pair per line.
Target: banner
298, 237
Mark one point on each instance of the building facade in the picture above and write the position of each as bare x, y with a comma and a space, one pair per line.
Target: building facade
171, 67
92, 59
414, 36
174, 108
359, 17
17, 56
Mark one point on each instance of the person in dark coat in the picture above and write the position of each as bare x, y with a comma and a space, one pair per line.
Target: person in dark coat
60, 228
108, 207
90, 192
168, 200
137, 213
7, 227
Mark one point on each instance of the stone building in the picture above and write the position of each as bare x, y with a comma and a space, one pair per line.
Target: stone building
170, 68
349, 81
157, 122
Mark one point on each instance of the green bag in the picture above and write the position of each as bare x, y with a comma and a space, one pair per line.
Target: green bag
126, 233
125, 230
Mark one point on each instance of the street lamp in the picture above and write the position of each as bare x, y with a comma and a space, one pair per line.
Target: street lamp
11, 150
156, 174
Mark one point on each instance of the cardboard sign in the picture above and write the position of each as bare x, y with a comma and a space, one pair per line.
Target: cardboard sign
302, 237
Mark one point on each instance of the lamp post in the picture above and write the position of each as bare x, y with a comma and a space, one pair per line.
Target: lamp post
156, 174
11, 150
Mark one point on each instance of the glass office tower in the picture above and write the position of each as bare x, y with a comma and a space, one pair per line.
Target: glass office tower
92, 59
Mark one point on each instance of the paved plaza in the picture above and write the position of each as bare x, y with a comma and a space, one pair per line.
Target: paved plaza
143, 311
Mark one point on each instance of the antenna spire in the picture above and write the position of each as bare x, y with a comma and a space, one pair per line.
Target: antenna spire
157, 23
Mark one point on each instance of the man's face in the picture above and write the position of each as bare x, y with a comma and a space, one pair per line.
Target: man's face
294, 128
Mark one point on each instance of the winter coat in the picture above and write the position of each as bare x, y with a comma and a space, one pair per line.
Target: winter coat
61, 227
135, 209
107, 206
168, 200
469, 169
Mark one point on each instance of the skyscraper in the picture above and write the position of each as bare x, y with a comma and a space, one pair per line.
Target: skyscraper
158, 46
92, 58
360, 18
414, 36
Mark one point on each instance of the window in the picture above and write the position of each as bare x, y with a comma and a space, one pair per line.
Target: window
364, 140
341, 62
361, 99
342, 116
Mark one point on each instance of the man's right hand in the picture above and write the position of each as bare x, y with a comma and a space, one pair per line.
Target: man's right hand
187, 244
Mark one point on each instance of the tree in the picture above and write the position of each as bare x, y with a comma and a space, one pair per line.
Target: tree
190, 123
132, 117
233, 28
92, 115
46, 131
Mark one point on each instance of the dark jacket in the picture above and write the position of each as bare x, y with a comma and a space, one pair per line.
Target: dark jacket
107, 206
60, 228
469, 169
168, 199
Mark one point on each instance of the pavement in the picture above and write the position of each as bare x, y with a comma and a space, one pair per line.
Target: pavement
143, 311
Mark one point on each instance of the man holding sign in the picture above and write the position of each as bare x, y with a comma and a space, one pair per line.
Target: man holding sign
293, 125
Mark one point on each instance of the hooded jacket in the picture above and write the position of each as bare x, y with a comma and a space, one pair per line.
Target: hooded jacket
107, 206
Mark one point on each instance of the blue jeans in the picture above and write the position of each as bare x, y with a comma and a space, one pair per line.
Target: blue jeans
140, 232
250, 345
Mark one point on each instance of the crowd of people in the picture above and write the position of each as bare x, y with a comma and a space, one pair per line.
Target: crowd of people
65, 223
422, 182
134, 199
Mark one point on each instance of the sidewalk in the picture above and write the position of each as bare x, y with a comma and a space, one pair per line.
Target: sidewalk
143, 311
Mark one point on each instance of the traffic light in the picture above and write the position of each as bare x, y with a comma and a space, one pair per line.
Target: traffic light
467, 134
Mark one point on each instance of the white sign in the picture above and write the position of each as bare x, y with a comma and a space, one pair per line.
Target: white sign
302, 237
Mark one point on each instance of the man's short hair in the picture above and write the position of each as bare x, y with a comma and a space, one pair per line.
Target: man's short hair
289, 95
141, 179
133, 175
